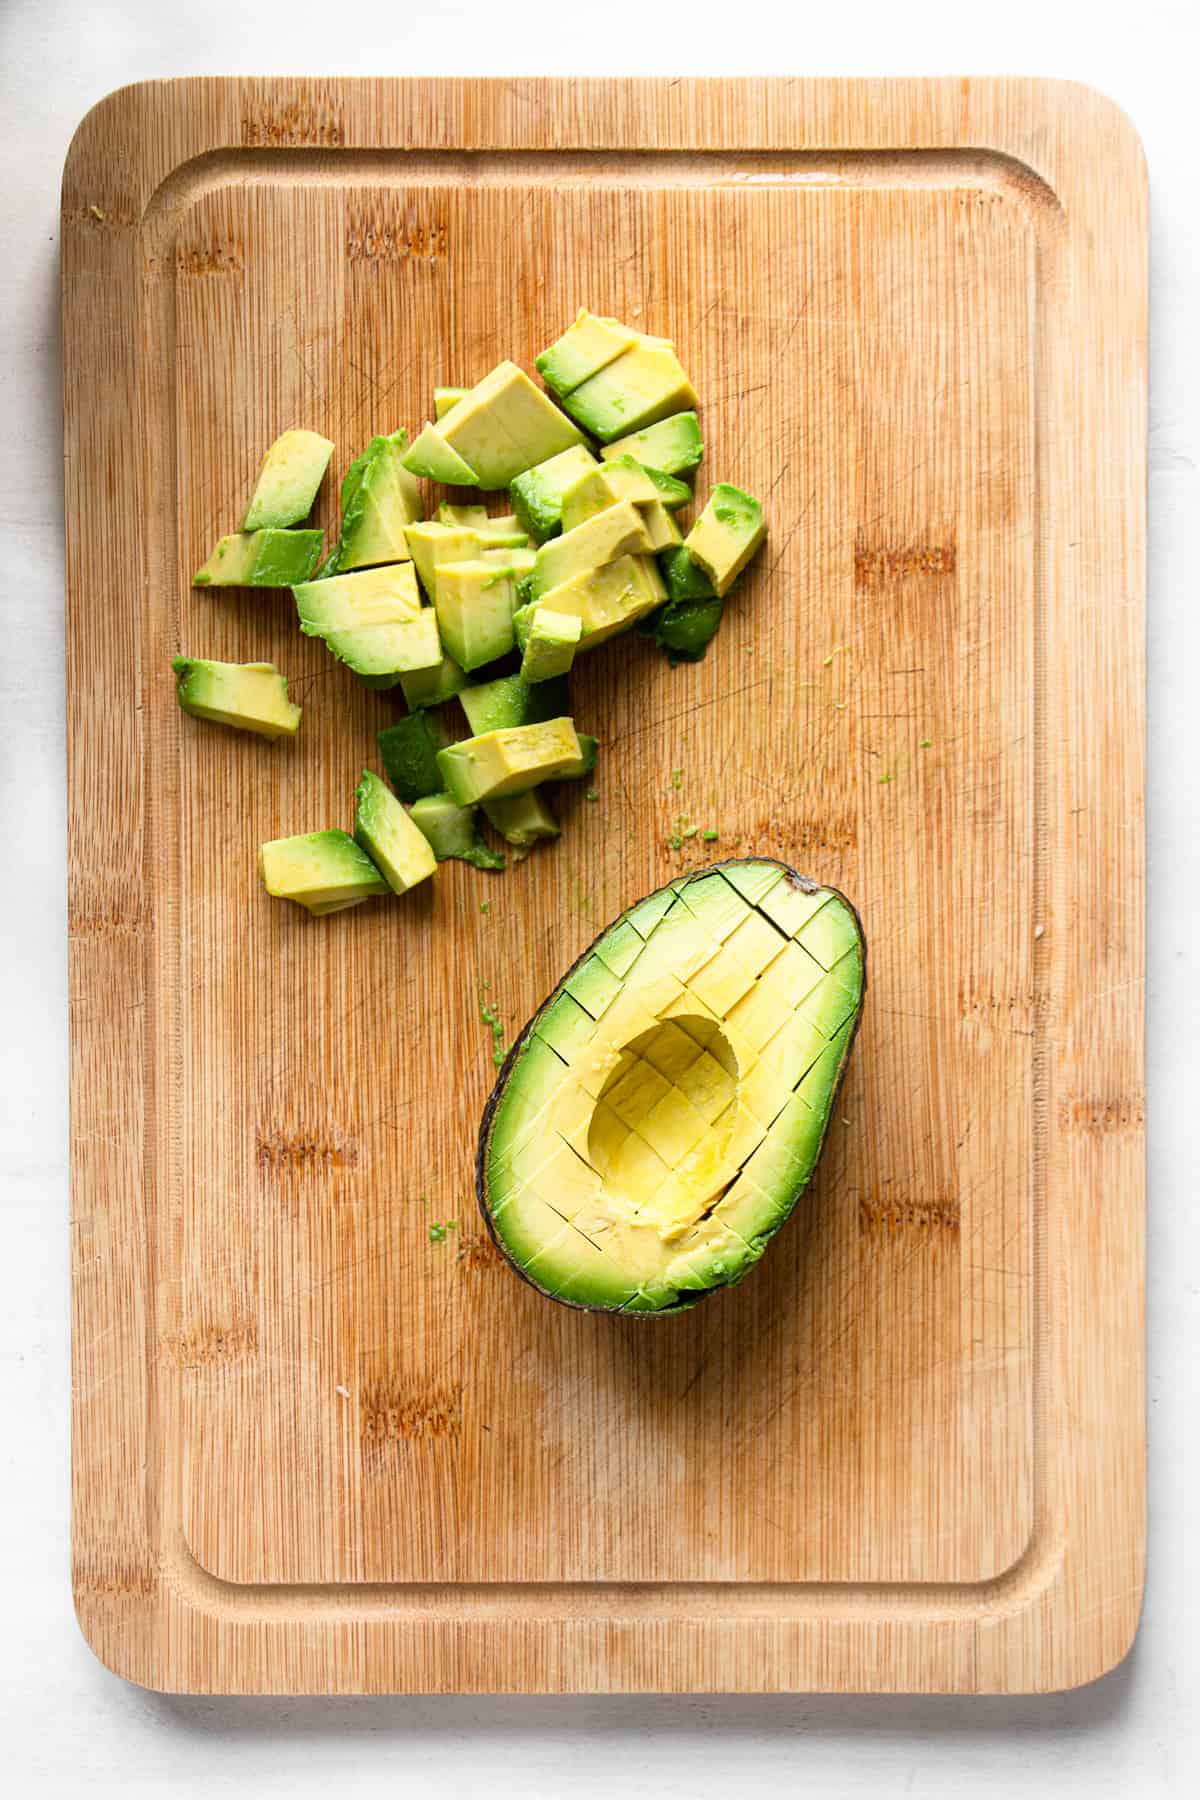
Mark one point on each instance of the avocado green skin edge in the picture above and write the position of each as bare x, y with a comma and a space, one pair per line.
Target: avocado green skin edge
493, 1100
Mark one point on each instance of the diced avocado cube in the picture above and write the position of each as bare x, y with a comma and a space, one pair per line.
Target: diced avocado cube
622, 479
399, 850
453, 831
537, 495
267, 558
383, 596
432, 543
550, 645
446, 397
617, 531
673, 445
664, 532
382, 653
248, 696
685, 579
518, 563
322, 871
379, 499
288, 479
684, 628
430, 455
510, 761
496, 705
507, 522
726, 535
522, 819
504, 426
469, 517
585, 348
607, 600
409, 750
474, 606
644, 384
429, 687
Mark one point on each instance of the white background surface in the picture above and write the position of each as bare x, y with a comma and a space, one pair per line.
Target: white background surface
66, 1726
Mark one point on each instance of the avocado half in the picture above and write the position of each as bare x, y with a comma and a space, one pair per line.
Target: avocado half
661, 1114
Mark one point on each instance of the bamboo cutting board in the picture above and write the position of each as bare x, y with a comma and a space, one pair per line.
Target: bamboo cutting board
315, 1451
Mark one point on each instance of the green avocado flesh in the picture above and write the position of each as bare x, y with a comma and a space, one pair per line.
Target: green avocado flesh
660, 1116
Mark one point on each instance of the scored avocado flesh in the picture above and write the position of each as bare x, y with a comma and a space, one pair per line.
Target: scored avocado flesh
661, 1114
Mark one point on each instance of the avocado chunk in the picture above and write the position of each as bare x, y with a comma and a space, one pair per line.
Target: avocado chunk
726, 535
537, 495
379, 500
644, 384
673, 445
474, 605
550, 644
409, 750
615, 532
382, 653
322, 871
663, 532
446, 397
267, 558
663, 1111
506, 701
432, 456
384, 596
685, 579
504, 426
248, 696
509, 761
624, 479
607, 600
470, 518
522, 819
399, 850
685, 628
453, 831
429, 687
433, 543
585, 348
288, 478
584, 763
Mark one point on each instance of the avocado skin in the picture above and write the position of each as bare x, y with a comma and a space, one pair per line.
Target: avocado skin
494, 1098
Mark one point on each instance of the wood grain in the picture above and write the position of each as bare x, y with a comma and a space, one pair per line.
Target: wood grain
314, 1451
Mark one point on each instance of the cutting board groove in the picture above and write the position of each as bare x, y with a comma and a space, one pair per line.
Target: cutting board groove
315, 1451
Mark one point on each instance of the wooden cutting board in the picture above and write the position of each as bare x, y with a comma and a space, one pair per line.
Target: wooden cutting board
315, 1451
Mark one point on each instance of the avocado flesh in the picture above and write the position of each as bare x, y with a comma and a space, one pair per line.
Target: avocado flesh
446, 397
550, 645
504, 426
658, 1119
382, 653
509, 761
247, 696
266, 558
537, 495
290, 474
322, 871
673, 445
398, 848
726, 535
379, 500
521, 819
496, 705
431, 686
453, 832
384, 596
585, 348
644, 384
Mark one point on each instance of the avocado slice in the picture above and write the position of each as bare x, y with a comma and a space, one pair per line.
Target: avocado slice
509, 761
382, 653
453, 831
658, 1119
384, 596
607, 600
726, 535
522, 819
504, 426
673, 445
644, 384
288, 478
585, 348
474, 605
322, 871
432, 456
446, 397
429, 687
617, 531
248, 696
409, 750
399, 850
507, 701
537, 495
379, 499
469, 518
550, 644
267, 558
